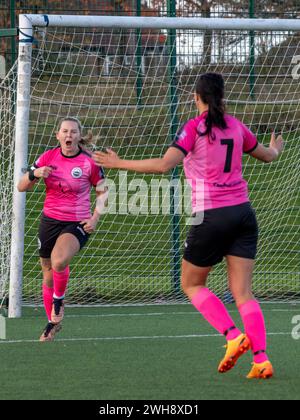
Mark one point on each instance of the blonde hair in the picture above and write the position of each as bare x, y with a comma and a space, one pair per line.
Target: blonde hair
85, 141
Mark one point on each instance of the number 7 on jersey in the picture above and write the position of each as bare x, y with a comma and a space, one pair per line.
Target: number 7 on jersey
229, 144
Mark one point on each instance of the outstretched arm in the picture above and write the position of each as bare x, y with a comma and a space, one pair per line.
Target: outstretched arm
111, 160
271, 153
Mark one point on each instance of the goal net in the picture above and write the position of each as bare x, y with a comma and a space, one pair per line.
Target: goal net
133, 87
7, 122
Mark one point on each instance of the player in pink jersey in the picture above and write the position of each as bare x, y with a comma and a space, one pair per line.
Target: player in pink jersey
211, 147
68, 172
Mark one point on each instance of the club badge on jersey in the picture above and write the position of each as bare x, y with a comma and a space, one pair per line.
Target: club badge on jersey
76, 173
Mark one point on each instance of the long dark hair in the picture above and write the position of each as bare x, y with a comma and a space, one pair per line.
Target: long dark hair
210, 87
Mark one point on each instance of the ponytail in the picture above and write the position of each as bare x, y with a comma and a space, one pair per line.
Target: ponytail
87, 140
210, 87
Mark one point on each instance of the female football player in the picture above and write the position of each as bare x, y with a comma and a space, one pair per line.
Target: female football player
68, 172
211, 147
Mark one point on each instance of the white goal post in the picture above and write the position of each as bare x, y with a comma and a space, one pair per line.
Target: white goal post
29, 25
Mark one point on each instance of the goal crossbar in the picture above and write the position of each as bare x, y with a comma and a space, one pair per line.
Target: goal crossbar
123, 22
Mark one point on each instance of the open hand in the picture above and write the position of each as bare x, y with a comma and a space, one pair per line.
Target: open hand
277, 143
108, 160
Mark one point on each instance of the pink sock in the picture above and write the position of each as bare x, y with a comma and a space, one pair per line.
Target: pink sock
214, 311
60, 281
48, 300
254, 323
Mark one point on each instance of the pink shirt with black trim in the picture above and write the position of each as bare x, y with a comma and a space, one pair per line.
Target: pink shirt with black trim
213, 166
68, 187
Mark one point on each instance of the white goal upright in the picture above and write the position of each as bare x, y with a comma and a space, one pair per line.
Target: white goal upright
130, 80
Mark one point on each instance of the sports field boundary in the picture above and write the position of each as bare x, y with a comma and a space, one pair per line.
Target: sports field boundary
157, 337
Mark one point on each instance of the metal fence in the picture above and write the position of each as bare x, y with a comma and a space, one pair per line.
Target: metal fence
10, 9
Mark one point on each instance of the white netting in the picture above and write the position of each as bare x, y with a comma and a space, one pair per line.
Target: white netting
119, 83
7, 120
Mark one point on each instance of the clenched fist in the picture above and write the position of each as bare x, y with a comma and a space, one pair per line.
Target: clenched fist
43, 172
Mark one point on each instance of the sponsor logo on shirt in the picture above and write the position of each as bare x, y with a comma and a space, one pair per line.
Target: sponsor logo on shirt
233, 184
76, 173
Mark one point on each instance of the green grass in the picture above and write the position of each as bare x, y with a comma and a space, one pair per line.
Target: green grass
154, 352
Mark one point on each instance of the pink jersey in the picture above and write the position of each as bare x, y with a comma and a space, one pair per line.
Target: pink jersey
69, 185
213, 166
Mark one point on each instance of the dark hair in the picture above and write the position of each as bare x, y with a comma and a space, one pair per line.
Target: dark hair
210, 87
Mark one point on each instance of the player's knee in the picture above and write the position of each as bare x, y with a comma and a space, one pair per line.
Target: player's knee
59, 264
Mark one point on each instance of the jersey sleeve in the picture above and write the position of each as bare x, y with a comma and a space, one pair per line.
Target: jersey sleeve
186, 138
41, 161
97, 174
250, 140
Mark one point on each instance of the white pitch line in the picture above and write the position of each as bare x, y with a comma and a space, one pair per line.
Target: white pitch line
157, 314
165, 313
155, 337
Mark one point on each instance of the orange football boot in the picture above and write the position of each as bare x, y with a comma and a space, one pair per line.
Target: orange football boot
235, 349
261, 371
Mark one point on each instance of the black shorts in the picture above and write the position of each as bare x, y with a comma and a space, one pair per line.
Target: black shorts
51, 229
224, 231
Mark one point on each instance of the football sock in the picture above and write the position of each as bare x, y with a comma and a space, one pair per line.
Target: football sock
48, 300
215, 312
254, 323
60, 281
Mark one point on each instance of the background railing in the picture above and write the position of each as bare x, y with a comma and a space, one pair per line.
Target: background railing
10, 9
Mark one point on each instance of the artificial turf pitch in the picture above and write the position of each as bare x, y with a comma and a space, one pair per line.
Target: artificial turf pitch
154, 352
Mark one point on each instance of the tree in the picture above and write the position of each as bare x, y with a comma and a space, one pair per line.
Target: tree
228, 8
279, 8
